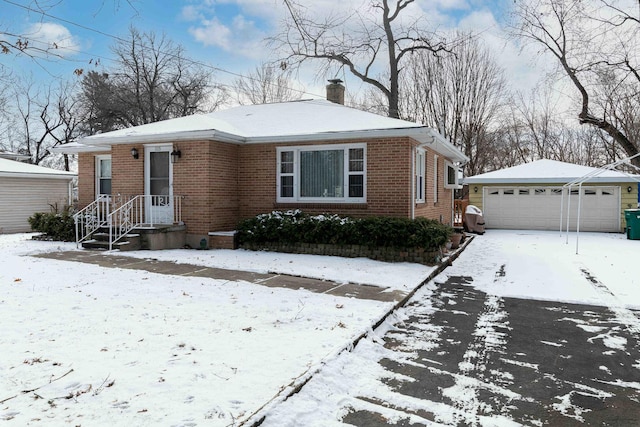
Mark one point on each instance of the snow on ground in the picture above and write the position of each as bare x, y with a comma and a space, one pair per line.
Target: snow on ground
403, 276
543, 265
536, 265
86, 345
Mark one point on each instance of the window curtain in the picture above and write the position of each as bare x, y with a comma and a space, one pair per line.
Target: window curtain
322, 173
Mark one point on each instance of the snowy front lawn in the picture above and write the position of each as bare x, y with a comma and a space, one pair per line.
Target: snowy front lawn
86, 345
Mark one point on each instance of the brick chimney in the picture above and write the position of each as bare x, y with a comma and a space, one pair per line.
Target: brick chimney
335, 91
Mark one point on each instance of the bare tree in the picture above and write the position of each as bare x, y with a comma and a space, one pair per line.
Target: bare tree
265, 84
370, 43
534, 130
150, 81
44, 117
595, 47
462, 95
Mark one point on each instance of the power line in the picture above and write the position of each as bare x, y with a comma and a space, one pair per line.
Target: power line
123, 40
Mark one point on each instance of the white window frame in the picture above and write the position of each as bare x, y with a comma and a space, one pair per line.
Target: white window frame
456, 173
435, 178
296, 174
420, 176
97, 174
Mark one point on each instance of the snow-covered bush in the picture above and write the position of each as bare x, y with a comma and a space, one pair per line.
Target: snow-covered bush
298, 227
55, 225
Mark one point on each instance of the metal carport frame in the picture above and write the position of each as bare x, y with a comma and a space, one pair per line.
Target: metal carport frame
579, 181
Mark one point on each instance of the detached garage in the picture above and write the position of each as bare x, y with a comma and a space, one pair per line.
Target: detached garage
530, 197
26, 189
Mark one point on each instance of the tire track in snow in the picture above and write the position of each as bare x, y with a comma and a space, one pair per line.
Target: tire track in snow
622, 314
489, 337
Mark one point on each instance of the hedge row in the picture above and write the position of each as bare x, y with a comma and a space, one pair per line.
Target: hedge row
297, 227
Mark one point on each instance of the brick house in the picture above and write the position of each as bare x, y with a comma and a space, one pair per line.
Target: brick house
209, 171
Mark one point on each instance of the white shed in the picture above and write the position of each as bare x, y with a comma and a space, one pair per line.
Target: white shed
26, 189
530, 196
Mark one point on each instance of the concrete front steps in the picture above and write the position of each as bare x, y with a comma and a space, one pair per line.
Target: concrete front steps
155, 237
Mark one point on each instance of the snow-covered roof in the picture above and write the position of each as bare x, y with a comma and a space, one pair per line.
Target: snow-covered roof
14, 169
12, 156
546, 171
300, 121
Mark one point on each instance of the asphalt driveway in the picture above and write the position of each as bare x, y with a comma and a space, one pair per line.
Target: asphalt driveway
499, 359
519, 331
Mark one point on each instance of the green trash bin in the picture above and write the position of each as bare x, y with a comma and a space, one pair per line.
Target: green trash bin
632, 217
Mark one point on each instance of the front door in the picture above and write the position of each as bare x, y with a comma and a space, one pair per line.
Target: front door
158, 187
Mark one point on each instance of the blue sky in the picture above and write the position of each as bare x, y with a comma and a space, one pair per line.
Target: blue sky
226, 34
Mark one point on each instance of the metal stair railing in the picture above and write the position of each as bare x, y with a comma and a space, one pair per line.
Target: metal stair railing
131, 215
124, 219
91, 218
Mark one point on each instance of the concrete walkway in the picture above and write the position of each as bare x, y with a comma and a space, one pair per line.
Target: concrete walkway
354, 290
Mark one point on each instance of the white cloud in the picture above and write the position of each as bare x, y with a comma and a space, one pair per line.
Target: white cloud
212, 32
190, 13
239, 35
54, 38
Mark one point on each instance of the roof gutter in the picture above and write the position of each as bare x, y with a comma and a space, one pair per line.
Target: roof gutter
533, 180
209, 134
69, 177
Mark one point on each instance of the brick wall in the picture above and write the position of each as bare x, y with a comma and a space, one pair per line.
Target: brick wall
86, 179
388, 180
206, 175
442, 208
222, 183
127, 173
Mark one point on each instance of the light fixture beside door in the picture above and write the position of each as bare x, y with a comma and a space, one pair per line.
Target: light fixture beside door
175, 155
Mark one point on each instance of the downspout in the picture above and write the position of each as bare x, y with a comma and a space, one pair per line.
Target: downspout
70, 192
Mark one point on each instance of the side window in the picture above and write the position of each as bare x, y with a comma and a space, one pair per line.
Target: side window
356, 172
451, 174
435, 178
286, 166
420, 176
103, 175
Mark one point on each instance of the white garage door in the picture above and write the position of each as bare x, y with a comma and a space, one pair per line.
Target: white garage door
538, 208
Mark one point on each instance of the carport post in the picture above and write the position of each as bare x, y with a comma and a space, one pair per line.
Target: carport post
578, 220
561, 209
568, 212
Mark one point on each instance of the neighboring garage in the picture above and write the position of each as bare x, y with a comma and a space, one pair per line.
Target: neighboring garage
26, 189
529, 197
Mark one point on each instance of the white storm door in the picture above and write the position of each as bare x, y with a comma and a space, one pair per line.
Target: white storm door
103, 187
158, 184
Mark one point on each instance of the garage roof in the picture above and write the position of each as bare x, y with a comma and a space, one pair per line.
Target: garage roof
14, 169
546, 172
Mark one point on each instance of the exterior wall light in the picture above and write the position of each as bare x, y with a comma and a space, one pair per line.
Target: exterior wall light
134, 153
629, 189
475, 189
175, 155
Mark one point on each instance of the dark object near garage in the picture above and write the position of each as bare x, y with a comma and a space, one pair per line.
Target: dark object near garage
632, 218
473, 220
